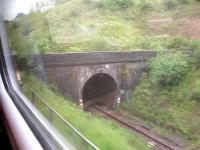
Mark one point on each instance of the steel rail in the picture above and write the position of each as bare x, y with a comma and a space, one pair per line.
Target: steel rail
60, 117
137, 129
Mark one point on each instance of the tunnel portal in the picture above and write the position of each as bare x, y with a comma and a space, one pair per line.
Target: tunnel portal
100, 89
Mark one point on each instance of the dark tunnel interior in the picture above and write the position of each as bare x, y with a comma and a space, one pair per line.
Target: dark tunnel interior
101, 89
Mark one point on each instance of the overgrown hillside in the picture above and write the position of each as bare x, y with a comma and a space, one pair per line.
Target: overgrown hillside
168, 98
106, 25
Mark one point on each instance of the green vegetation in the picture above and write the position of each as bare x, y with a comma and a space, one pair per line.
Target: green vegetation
104, 133
197, 56
101, 25
168, 98
168, 69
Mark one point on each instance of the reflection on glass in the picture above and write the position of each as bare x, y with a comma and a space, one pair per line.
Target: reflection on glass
161, 94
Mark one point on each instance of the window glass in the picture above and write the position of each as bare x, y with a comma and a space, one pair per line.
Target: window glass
111, 74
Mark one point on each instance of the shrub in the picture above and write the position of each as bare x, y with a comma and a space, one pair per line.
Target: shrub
179, 43
168, 69
171, 4
196, 55
124, 3
111, 4
185, 1
196, 91
145, 5
23, 63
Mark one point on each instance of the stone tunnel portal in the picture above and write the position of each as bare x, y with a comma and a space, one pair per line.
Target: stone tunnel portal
100, 89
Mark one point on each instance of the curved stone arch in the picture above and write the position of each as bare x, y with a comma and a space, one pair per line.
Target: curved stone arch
86, 78
107, 77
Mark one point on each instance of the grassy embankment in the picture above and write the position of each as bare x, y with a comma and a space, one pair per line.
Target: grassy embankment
105, 134
170, 106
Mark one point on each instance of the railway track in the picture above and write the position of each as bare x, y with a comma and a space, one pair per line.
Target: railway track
155, 141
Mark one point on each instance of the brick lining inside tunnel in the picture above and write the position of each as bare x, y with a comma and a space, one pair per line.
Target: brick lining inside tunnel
100, 89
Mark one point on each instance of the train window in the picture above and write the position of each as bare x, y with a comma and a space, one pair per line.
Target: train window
109, 74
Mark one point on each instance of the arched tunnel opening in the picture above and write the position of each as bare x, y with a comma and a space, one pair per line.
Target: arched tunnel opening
100, 89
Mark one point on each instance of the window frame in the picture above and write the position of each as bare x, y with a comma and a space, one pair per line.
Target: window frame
43, 131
